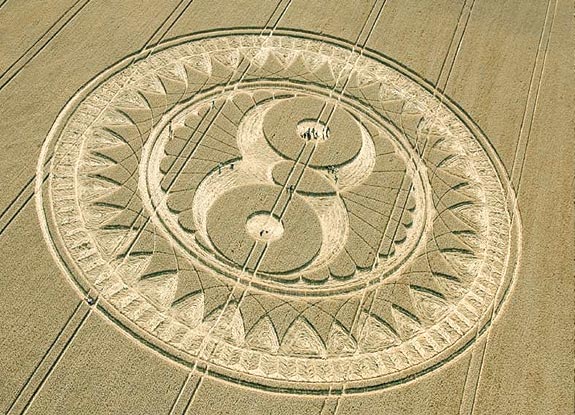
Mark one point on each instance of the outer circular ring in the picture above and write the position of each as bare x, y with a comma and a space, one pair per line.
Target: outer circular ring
75, 274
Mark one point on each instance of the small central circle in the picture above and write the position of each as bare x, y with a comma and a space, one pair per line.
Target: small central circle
264, 226
313, 130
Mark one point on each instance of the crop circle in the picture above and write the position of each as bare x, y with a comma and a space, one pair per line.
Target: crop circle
281, 211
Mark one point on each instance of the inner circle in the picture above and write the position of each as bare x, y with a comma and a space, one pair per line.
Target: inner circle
318, 252
264, 226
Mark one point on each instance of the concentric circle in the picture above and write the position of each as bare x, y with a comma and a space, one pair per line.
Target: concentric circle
282, 211
279, 159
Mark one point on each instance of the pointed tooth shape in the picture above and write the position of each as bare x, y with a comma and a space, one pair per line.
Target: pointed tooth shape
365, 78
341, 69
113, 117
302, 340
175, 89
257, 57
200, 63
189, 310
340, 342
111, 241
324, 73
406, 325
97, 215
175, 72
377, 335
228, 326
394, 106
161, 290
103, 138
263, 336
312, 60
285, 56
230, 58
189, 283
130, 98
152, 84
93, 188
432, 307
161, 263
131, 268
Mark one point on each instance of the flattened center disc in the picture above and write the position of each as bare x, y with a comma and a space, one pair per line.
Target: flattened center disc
264, 226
